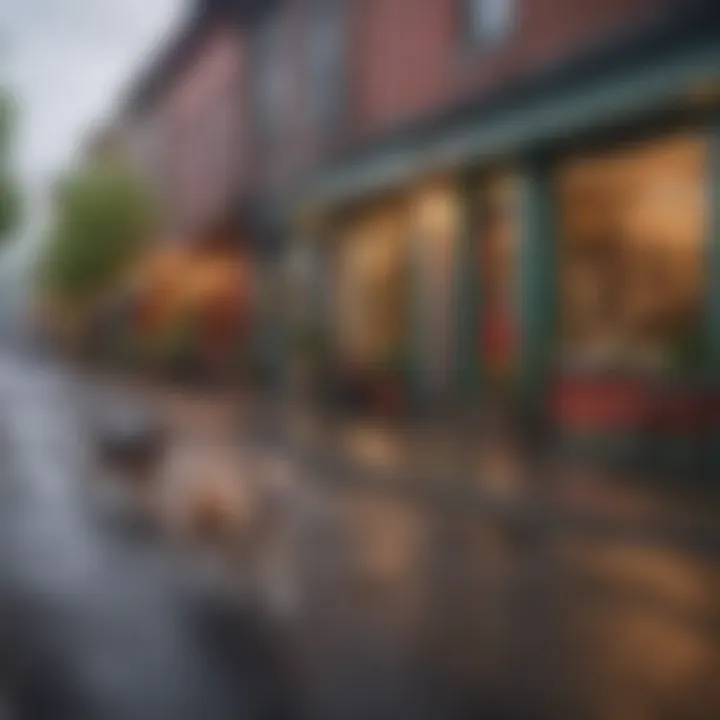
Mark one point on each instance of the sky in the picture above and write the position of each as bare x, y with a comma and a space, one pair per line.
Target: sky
68, 62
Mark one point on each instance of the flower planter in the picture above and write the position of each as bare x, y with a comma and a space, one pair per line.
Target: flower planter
662, 424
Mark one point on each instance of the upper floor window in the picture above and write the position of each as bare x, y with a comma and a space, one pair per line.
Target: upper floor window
272, 78
489, 21
326, 55
221, 135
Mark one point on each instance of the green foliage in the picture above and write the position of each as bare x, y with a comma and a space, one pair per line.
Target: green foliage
7, 119
10, 205
104, 215
10, 196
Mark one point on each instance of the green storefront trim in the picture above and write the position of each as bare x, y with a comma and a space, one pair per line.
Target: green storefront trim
468, 368
531, 137
538, 284
712, 324
414, 370
619, 99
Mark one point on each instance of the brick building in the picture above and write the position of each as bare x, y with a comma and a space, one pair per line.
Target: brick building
482, 198
189, 134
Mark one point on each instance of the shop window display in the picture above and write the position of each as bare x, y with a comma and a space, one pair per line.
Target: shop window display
633, 228
370, 292
436, 226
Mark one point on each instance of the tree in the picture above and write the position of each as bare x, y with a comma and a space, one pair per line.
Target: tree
104, 215
10, 198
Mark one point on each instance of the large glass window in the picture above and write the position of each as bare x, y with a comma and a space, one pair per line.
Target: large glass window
272, 77
633, 231
370, 290
437, 223
499, 272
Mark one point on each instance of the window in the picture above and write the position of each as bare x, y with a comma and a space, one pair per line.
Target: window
326, 61
369, 290
489, 21
272, 87
633, 234
221, 138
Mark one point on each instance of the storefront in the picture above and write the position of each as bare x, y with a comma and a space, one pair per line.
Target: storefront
389, 305
634, 234
436, 226
367, 300
561, 255
594, 289
633, 231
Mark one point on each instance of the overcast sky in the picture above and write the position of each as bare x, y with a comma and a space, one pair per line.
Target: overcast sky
68, 61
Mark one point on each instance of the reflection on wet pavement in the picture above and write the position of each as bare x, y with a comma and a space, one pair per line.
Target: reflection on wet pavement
416, 610
380, 602
97, 621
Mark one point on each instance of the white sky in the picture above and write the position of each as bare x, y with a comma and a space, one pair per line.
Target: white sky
68, 61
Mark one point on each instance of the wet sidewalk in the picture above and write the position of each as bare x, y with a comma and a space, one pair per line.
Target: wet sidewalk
489, 467
403, 590
98, 620
423, 598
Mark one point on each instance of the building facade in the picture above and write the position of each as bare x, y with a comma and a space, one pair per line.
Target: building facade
473, 201
191, 137
516, 204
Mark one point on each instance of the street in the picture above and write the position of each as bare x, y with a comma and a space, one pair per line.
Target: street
348, 602
96, 621
359, 360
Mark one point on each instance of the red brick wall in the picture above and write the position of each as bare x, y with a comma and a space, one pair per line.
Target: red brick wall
409, 58
400, 52
203, 128
406, 59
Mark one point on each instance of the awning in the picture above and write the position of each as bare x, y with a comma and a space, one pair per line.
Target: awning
627, 93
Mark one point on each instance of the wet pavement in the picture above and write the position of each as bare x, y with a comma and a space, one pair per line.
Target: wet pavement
98, 620
341, 599
441, 599
425, 610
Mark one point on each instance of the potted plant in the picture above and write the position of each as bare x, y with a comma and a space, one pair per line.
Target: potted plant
389, 396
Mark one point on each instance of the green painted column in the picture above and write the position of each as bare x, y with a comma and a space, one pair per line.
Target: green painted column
417, 328
538, 272
712, 315
468, 296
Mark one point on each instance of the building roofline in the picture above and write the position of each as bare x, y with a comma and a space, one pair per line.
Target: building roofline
179, 49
